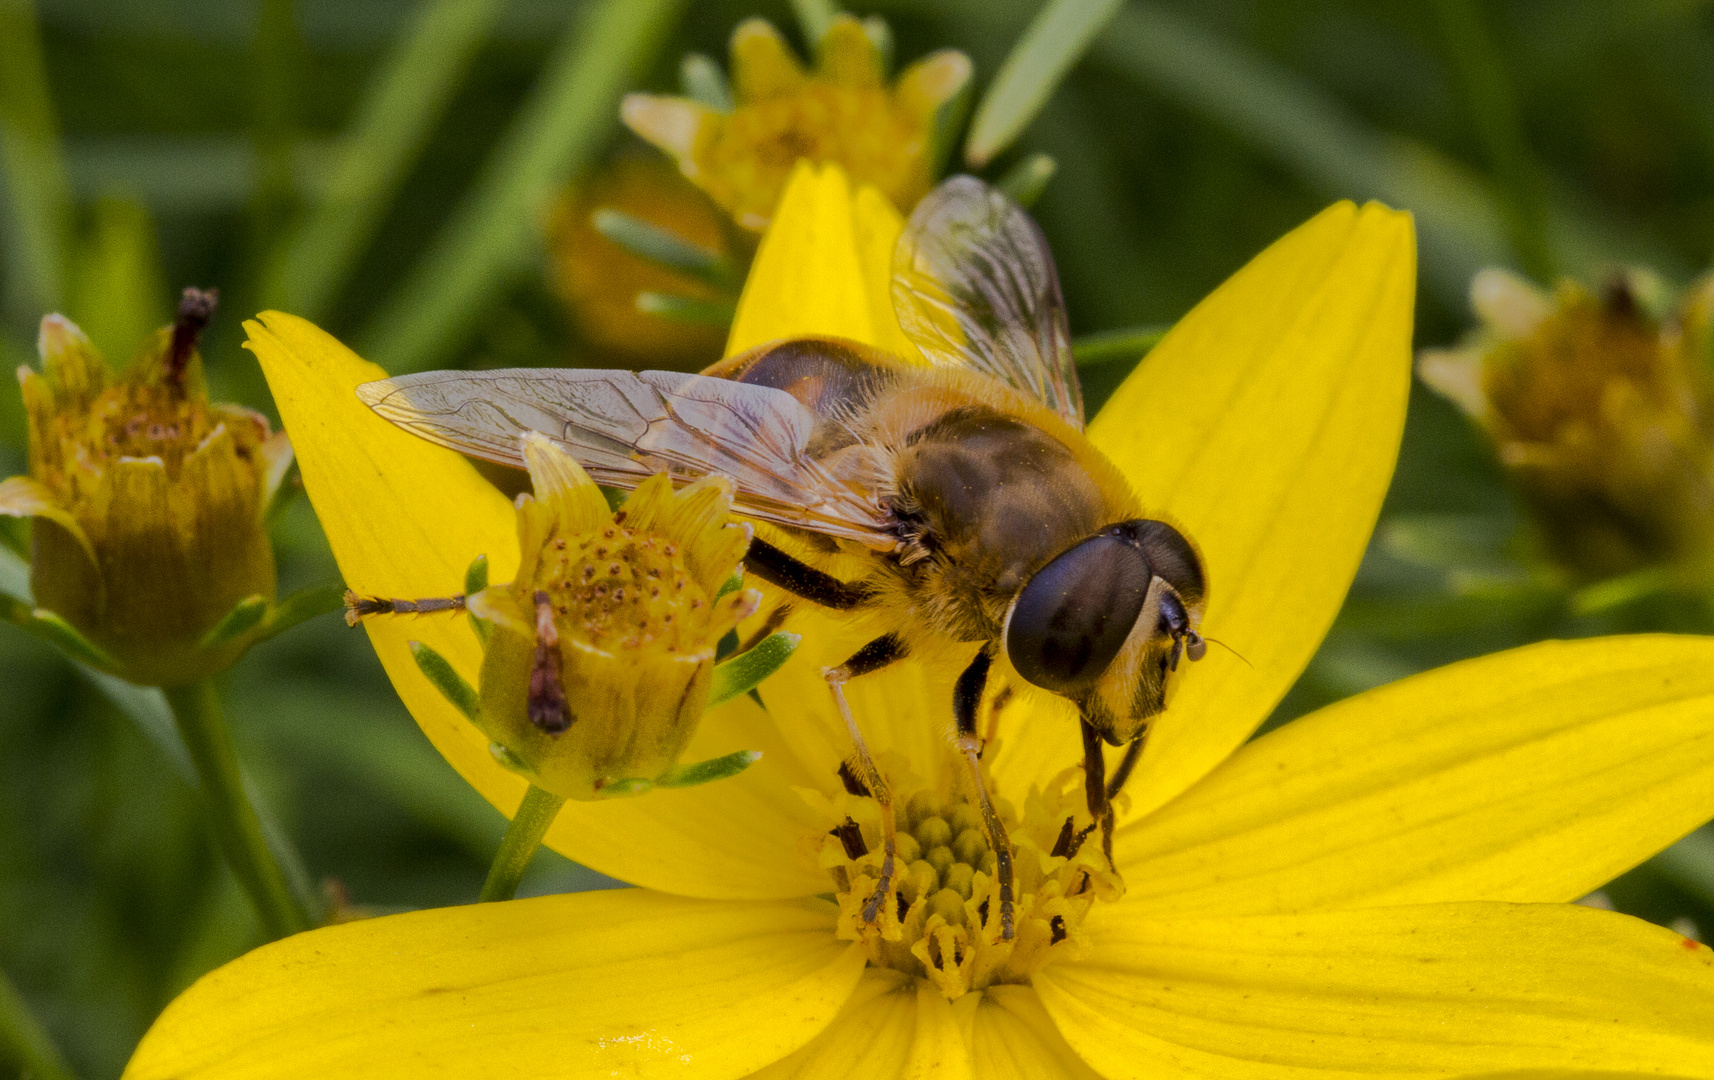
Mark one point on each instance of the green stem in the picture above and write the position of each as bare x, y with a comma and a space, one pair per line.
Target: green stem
23, 1040
523, 836
196, 710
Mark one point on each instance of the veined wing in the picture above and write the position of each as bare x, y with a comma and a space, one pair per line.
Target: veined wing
974, 284
624, 426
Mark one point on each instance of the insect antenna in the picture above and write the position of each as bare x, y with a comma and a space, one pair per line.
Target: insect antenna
1231, 650
359, 607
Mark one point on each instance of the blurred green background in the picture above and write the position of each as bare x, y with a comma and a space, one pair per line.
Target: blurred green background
384, 166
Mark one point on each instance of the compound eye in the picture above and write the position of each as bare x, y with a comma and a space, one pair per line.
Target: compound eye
1074, 615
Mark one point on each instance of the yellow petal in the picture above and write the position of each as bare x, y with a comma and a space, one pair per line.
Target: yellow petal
1015, 1039
894, 1025
404, 518
1422, 991
930, 83
1537, 774
619, 983
560, 483
1266, 425
763, 65
674, 124
846, 55
21, 496
816, 271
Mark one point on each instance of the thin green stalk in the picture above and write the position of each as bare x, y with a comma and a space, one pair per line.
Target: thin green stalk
35, 176
23, 1040
196, 710
493, 233
1056, 39
1492, 108
523, 836
393, 122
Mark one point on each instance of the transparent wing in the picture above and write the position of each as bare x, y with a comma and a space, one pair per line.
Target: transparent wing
624, 426
974, 284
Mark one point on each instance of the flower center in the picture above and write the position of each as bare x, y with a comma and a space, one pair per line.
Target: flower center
619, 589
942, 919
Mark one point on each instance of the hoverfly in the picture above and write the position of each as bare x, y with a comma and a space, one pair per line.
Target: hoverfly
984, 513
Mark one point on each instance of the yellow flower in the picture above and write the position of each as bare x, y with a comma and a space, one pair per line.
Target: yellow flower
148, 500
843, 113
1377, 889
1602, 414
600, 280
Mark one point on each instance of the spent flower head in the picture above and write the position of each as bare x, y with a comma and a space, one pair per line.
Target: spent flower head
842, 112
1601, 411
1376, 889
148, 500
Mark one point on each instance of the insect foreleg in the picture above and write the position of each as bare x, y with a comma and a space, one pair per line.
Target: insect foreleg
1095, 787
871, 657
966, 697
800, 579
1116, 782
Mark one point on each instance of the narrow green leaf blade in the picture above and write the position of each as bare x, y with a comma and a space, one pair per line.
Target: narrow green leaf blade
1131, 343
35, 174
701, 78
301, 606
245, 616
392, 125
1053, 42
704, 771
687, 309
744, 671
654, 243
51, 628
475, 580
446, 679
493, 233
1026, 180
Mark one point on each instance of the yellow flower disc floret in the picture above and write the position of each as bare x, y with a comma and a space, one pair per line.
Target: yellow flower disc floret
602, 648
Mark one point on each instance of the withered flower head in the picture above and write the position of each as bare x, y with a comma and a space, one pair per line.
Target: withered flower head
148, 500
602, 649
1599, 411
843, 112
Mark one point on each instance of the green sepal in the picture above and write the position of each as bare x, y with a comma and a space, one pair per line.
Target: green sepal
1132, 344
507, 759
687, 309
301, 606
732, 584
703, 80
445, 679
56, 631
649, 241
623, 789
813, 18
245, 616
703, 771
744, 671
1026, 180
946, 126
615, 497
880, 35
475, 580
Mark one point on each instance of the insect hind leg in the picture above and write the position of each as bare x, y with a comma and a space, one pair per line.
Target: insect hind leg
871, 657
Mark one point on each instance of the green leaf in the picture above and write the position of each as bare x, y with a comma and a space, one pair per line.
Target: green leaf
713, 769
732, 584
744, 671
702, 79
1052, 43
649, 241
245, 616
55, 630
35, 174
687, 309
393, 122
1026, 180
1132, 343
24, 1042
446, 679
495, 232
1689, 864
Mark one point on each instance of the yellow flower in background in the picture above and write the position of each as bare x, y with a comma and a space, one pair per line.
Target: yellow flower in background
843, 113
1602, 414
600, 281
1377, 889
148, 500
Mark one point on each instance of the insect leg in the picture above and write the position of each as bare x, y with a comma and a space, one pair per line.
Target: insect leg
1134, 751
1095, 787
966, 697
357, 607
800, 579
871, 657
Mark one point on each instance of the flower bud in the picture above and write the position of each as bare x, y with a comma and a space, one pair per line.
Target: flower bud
148, 500
844, 112
1599, 409
601, 651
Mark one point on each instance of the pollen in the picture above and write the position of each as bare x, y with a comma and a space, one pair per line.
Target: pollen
941, 921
